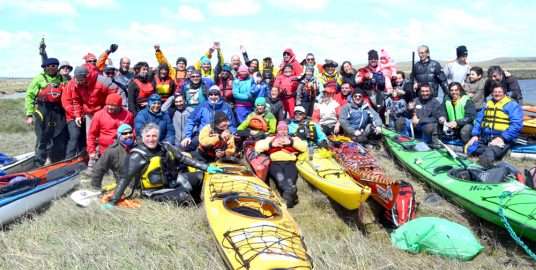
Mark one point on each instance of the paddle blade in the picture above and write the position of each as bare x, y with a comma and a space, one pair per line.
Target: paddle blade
83, 198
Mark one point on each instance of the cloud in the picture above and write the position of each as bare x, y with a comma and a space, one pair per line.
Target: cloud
234, 7
300, 4
53, 7
12, 39
189, 13
100, 4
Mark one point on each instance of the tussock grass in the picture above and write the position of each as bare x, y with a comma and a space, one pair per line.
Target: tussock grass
12, 116
10, 86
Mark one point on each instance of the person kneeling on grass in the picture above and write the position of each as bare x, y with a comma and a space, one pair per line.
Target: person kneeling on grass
114, 156
496, 126
157, 170
216, 140
283, 150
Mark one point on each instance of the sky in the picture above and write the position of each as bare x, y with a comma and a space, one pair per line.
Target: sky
339, 30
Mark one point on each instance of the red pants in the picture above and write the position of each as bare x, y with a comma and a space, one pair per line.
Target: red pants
288, 104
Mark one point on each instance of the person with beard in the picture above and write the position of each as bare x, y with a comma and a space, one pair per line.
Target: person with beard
216, 141
102, 131
177, 73
75, 101
157, 170
289, 58
348, 73
307, 130
275, 106
326, 112
224, 80
475, 87
508, 82
162, 82
195, 89
308, 89
424, 113
287, 84
330, 76
44, 110
429, 71
243, 85
283, 151
153, 114
203, 115
140, 89
372, 81
496, 126
179, 114
259, 123
113, 158
458, 114
359, 121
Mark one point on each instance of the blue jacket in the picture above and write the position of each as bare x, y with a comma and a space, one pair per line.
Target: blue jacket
514, 111
195, 99
353, 117
260, 90
242, 90
319, 133
204, 114
162, 119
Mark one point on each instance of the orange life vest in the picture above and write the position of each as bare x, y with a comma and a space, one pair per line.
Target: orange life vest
145, 90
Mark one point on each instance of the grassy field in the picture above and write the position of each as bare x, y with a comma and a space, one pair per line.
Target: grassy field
161, 236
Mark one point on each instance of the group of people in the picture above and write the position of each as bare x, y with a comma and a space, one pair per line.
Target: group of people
147, 124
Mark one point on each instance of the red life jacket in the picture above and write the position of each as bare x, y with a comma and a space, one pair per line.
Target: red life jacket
258, 122
226, 87
287, 148
50, 93
145, 90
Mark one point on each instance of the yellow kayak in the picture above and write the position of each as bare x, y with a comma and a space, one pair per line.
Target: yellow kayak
252, 227
529, 127
324, 173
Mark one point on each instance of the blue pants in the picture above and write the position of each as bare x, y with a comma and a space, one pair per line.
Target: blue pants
422, 132
242, 113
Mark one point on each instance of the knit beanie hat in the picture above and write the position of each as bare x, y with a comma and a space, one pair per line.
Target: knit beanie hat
114, 99
243, 69
80, 72
154, 98
461, 51
204, 60
89, 56
181, 59
50, 61
123, 128
373, 55
260, 101
226, 67
282, 126
214, 89
219, 117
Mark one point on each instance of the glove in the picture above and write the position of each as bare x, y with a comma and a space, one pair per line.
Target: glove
113, 48
107, 206
214, 169
323, 144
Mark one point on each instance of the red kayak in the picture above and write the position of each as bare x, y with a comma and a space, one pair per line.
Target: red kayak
396, 197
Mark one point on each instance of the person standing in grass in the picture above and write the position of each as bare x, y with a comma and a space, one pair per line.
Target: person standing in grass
157, 170
44, 110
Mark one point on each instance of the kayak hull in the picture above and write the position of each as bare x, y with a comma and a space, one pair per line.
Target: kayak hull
250, 224
436, 168
325, 174
22, 163
54, 181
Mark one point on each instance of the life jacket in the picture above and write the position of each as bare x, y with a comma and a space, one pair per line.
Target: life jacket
226, 87
457, 111
210, 151
288, 149
163, 88
495, 117
51, 93
306, 131
145, 90
152, 175
329, 80
257, 122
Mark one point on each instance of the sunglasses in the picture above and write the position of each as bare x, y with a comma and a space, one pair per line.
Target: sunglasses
358, 96
214, 94
300, 113
195, 76
91, 61
309, 59
127, 133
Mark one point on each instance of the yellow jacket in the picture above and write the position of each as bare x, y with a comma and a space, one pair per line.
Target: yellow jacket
173, 72
209, 140
282, 154
210, 73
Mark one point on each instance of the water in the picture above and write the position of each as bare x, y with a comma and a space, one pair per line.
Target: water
528, 87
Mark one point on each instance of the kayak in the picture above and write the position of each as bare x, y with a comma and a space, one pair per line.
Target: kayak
529, 127
325, 174
20, 163
461, 181
251, 225
396, 197
524, 151
27, 191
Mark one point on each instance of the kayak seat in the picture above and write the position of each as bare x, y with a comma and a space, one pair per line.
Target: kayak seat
490, 176
252, 206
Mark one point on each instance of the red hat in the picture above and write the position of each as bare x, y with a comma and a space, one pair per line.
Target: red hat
114, 99
89, 56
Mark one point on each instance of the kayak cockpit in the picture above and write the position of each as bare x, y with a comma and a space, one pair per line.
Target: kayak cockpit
480, 175
252, 206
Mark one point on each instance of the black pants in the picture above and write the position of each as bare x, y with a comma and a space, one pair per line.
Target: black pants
487, 154
285, 175
50, 132
186, 189
77, 139
328, 129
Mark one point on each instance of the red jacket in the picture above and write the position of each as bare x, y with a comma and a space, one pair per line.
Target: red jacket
96, 99
287, 85
104, 129
74, 96
297, 68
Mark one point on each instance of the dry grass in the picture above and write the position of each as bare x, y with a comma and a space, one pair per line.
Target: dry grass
161, 236
10, 86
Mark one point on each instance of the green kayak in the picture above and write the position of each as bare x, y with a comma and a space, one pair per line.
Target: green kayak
460, 181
